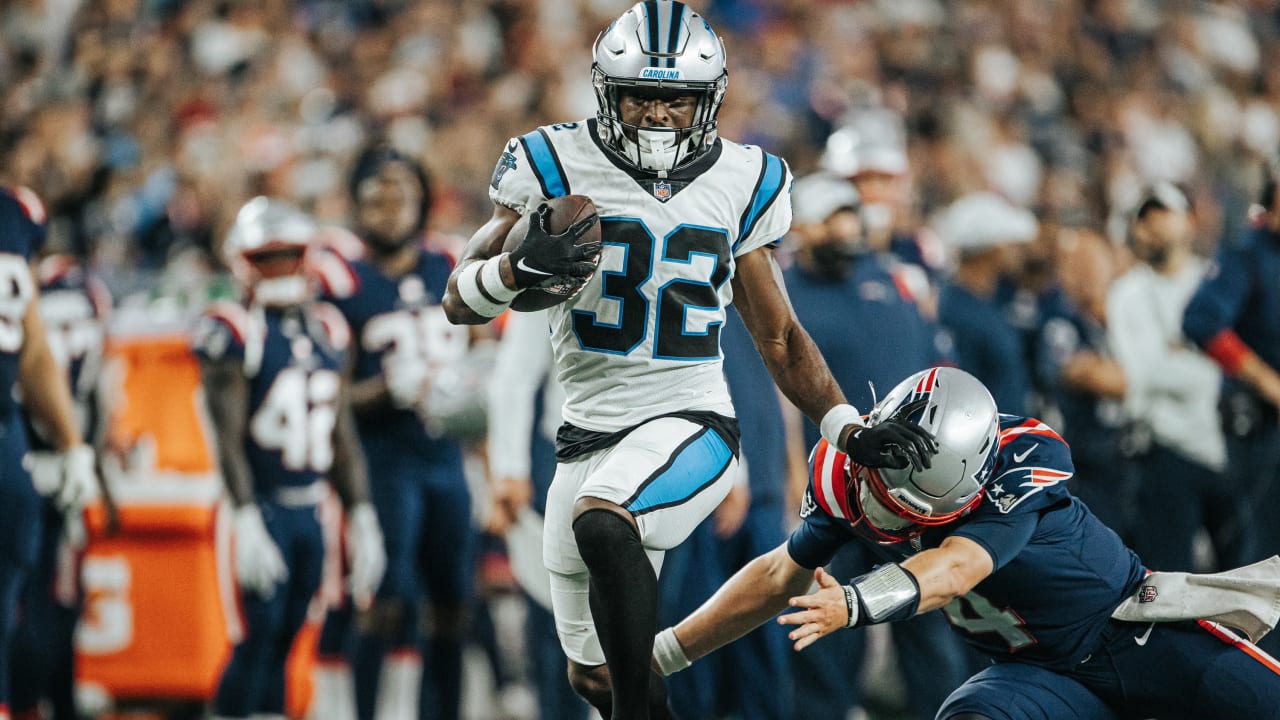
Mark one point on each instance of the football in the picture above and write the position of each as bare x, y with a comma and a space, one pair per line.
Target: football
565, 211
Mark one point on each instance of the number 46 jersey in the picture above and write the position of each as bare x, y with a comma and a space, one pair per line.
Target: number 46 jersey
293, 359
642, 339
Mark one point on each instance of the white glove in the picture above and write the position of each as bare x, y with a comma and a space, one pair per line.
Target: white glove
70, 477
366, 553
408, 384
259, 564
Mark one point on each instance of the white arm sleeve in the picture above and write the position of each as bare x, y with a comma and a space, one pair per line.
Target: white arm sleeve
522, 366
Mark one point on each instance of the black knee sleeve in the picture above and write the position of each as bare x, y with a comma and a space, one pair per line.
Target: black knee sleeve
601, 533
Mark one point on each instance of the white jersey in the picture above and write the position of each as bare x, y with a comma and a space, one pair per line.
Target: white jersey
642, 339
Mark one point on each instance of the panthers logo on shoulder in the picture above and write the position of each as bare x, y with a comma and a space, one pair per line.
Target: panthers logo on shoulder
505, 163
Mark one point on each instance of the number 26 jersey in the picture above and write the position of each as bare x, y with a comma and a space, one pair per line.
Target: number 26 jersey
642, 338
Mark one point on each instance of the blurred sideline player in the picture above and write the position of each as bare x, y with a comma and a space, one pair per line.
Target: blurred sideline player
1235, 317
391, 298
28, 368
273, 371
649, 446
74, 307
524, 413
1030, 578
859, 308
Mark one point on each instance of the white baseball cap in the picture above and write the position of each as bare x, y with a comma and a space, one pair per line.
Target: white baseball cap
985, 220
816, 197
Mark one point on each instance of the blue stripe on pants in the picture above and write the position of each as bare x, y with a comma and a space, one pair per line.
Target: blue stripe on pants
692, 468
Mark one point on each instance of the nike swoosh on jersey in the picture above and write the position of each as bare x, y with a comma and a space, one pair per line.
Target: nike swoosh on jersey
1019, 457
1142, 639
525, 266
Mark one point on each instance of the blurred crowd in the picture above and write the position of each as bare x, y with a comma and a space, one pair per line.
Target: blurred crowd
1048, 130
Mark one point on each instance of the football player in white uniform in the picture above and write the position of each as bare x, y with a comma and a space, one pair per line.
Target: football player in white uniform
688, 223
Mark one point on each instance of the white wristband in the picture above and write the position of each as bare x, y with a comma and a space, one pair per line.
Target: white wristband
834, 422
482, 300
668, 653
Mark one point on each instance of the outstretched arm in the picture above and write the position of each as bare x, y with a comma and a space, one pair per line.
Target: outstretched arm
754, 594
939, 575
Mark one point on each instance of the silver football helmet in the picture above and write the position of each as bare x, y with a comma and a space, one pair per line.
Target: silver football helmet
659, 44
959, 411
266, 229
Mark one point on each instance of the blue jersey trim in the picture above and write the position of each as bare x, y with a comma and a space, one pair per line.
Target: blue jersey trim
693, 467
546, 164
768, 187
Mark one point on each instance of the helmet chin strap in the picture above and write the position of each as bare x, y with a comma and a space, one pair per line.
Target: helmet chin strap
657, 149
287, 290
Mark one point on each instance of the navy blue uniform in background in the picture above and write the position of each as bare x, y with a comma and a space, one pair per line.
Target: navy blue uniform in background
416, 480
1092, 424
294, 359
1240, 298
869, 330
21, 236
987, 345
1058, 575
750, 678
73, 306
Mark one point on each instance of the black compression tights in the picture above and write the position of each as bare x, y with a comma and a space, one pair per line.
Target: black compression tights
624, 604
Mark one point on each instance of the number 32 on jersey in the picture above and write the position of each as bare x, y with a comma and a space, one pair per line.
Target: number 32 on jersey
690, 246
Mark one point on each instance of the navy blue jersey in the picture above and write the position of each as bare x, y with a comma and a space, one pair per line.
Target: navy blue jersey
1241, 292
397, 322
1091, 423
294, 359
755, 397
73, 307
22, 219
867, 326
1058, 572
987, 345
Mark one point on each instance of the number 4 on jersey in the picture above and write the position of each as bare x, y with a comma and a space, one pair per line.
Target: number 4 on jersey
297, 418
977, 616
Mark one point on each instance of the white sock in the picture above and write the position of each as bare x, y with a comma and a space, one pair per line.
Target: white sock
399, 686
335, 692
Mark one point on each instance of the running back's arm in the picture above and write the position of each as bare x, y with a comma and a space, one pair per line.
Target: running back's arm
45, 391
484, 244
788, 351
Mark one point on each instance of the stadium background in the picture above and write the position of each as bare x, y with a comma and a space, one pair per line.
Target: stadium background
144, 125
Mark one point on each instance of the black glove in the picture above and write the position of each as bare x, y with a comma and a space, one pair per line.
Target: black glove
893, 443
542, 256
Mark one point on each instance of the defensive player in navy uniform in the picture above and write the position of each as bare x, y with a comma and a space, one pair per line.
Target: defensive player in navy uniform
74, 306
391, 298
1025, 573
273, 372
856, 303
1235, 317
688, 222
28, 370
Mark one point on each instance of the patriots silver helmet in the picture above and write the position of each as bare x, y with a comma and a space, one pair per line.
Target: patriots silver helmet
960, 412
267, 248
659, 45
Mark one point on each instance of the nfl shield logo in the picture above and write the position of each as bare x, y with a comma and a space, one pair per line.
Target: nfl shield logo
1147, 594
662, 190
